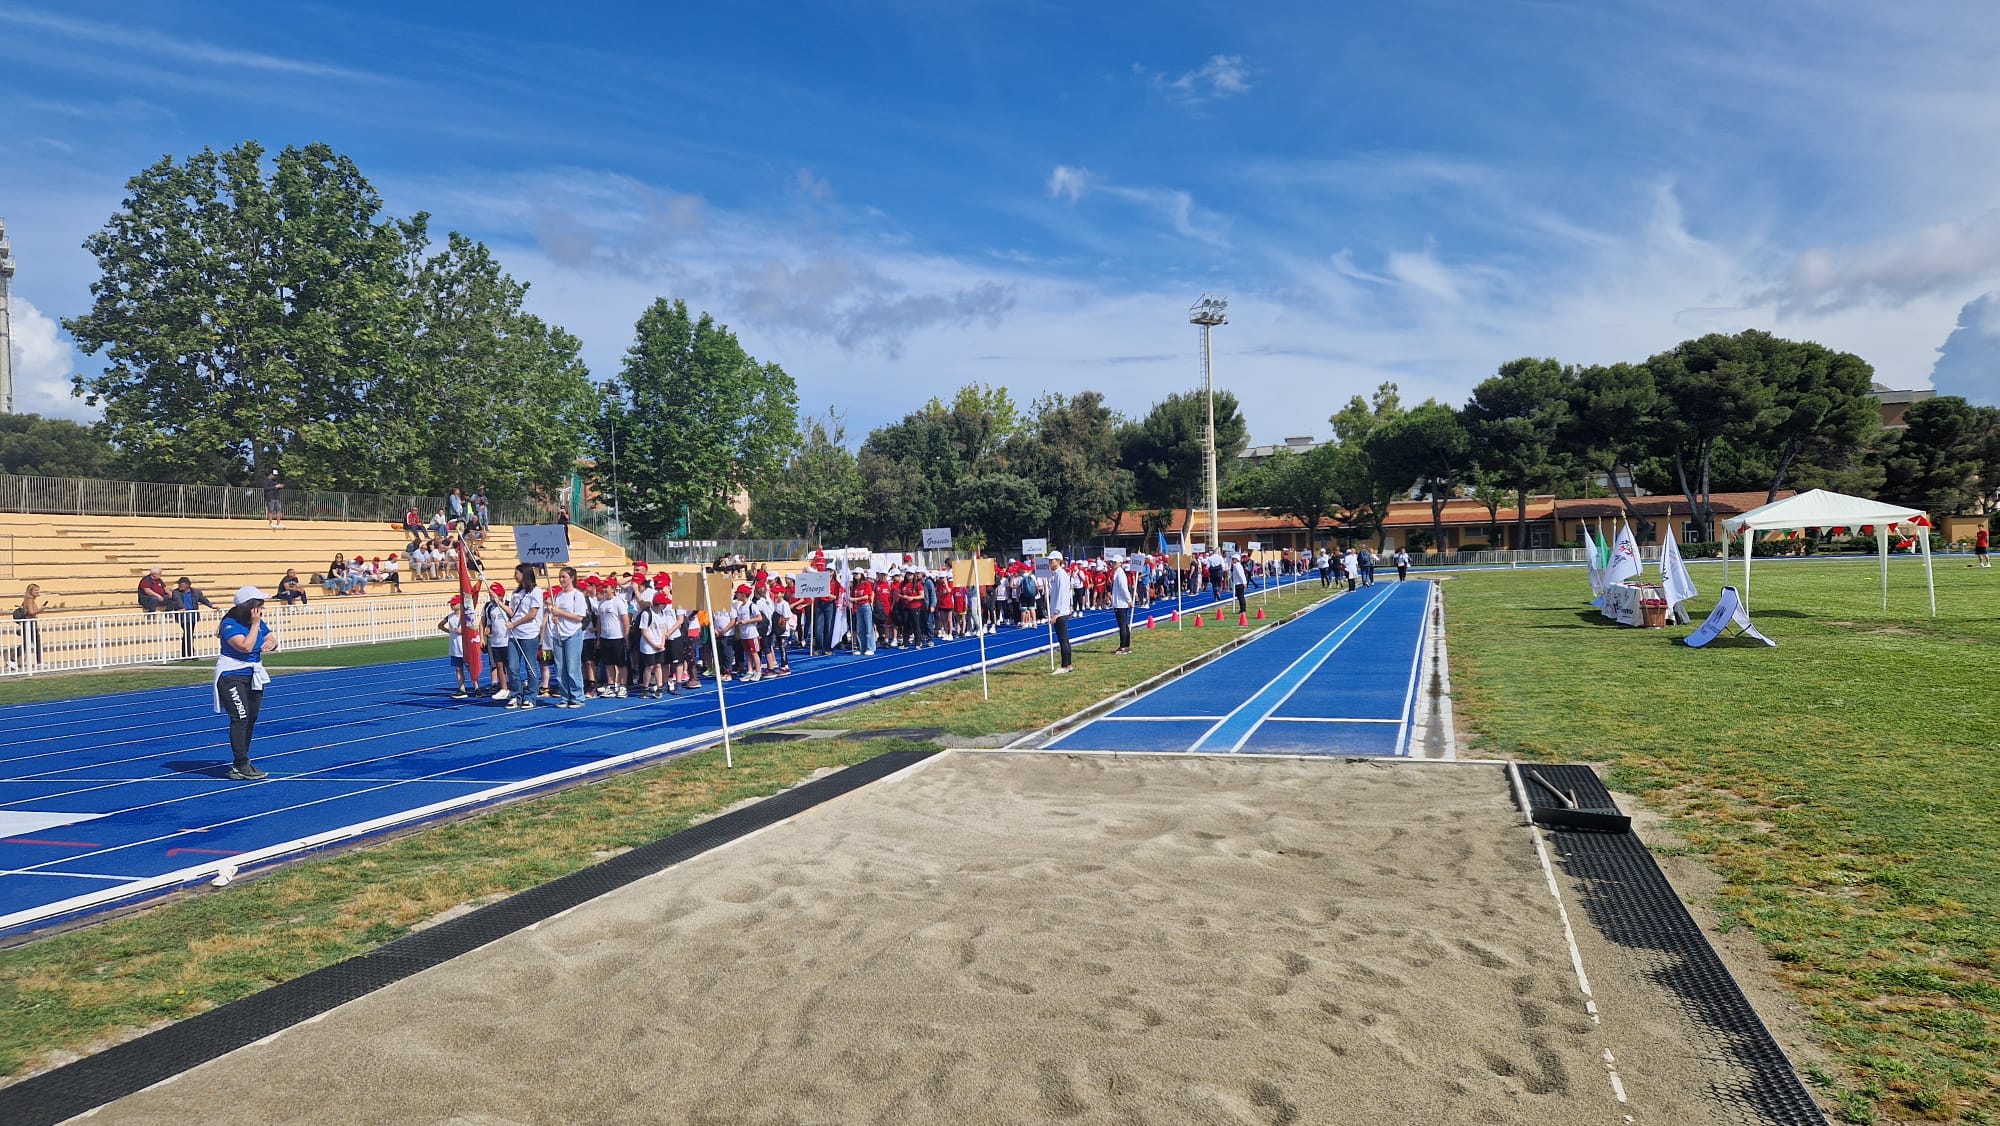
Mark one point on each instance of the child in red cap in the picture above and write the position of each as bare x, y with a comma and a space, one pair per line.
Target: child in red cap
453, 626
494, 619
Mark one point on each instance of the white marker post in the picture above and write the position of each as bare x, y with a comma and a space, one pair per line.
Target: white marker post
715, 653
979, 627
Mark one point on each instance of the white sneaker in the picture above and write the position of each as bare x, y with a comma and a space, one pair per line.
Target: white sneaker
503, 694
1058, 672
619, 692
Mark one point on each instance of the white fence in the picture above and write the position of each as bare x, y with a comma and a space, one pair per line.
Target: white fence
72, 642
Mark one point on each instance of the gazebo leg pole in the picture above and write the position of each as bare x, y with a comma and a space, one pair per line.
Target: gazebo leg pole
1882, 549
1930, 579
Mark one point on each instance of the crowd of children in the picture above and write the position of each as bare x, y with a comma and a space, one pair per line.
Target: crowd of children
635, 639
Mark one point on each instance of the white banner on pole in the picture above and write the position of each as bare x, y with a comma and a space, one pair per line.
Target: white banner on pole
1034, 547
1229, 545
1115, 553
1256, 545
815, 584
937, 539
541, 543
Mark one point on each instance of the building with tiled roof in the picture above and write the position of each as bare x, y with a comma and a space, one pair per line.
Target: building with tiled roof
1468, 525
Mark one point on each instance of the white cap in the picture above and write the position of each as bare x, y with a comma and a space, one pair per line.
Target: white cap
1055, 556
249, 594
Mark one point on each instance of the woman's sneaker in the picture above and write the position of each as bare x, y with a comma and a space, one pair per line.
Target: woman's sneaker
247, 774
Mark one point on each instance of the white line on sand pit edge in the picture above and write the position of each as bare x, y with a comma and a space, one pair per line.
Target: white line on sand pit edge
1569, 933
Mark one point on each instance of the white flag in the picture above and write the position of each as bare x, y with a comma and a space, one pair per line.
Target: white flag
1590, 560
1624, 557
841, 603
1675, 581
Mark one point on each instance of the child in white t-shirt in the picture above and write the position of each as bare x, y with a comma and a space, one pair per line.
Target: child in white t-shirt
453, 626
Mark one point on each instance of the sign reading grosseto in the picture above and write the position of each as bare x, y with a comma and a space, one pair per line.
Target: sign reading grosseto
541, 543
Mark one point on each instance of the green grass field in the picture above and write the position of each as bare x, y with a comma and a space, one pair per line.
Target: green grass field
71, 992
1842, 784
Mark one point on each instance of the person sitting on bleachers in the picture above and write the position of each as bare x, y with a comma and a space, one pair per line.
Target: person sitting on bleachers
420, 561
290, 590
413, 522
388, 571
152, 592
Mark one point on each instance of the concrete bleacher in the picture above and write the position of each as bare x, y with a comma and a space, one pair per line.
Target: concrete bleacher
94, 563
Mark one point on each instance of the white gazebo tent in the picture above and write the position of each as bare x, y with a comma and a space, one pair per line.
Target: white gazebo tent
1817, 508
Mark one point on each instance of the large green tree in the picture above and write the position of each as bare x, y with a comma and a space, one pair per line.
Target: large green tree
1514, 419
1611, 428
1305, 486
698, 419
1166, 451
261, 312
1364, 480
1935, 463
51, 447
245, 317
1715, 389
999, 510
1069, 450
818, 492
1427, 445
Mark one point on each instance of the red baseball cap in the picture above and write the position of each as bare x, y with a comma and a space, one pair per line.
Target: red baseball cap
661, 599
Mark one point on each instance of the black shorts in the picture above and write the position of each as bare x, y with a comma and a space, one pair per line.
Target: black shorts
611, 650
676, 649
651, 660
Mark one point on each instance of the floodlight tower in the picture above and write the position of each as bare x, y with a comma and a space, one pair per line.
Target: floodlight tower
1209, 312
6, 325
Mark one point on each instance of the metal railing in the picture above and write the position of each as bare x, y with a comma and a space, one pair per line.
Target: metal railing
76, 642
83, 496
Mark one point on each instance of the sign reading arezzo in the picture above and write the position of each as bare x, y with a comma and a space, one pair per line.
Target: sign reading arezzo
541, 543
1035, 547
937, 539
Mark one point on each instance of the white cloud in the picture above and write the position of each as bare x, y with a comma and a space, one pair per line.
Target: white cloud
43, 364
1222, 76
1174, 207
153, 43
1942, 258
811, 186
1968, 363
1068, 183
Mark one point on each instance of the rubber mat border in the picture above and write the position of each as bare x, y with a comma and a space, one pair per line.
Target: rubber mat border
1628, 898
76, 1088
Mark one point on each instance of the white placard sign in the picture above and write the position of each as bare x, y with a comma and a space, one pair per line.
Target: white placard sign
1035, 547
541, 543
815, 584
937, 539
1229, 545
1256, 546
1115, 552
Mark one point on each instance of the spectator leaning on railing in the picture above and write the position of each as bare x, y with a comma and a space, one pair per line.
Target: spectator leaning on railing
186, 602
28, 648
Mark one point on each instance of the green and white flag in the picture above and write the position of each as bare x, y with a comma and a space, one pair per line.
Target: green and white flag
1591, 560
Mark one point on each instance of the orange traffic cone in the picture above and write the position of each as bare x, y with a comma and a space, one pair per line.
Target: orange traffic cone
1260, 613
1218, 613
1242, 620
1149, 621
1197, 621
1176, 616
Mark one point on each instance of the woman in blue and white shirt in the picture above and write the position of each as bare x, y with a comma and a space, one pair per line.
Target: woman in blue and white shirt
524, 637
240, 676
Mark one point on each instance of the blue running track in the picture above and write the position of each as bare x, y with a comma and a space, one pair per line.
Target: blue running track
113, 799
1341, 680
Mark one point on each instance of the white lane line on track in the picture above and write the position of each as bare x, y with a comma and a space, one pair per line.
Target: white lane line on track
1416, 672
1038, 644
1352, 626
438, 776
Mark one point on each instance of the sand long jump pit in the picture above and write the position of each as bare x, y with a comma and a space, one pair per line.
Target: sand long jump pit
993, 937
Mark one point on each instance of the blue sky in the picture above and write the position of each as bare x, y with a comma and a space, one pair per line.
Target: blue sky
893, 199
